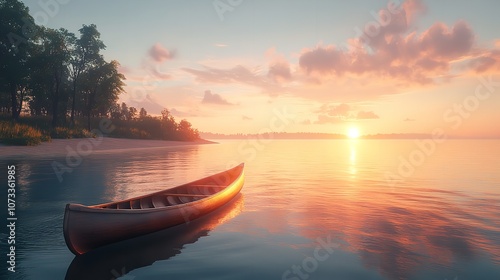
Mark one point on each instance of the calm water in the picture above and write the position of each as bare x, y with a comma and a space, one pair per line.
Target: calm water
439, 219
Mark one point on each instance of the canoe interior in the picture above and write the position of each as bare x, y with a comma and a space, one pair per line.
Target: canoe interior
183, 194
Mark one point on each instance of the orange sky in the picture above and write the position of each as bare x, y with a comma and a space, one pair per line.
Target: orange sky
382, 66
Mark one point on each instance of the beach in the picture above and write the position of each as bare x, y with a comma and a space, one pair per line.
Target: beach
61, 147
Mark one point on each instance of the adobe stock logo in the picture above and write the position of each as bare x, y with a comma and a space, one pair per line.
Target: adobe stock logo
223, 6
309, 265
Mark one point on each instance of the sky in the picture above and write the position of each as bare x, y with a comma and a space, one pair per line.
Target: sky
240, 66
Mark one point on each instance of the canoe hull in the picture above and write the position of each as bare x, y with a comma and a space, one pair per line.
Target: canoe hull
87, 228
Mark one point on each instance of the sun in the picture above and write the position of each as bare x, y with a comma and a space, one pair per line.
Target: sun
353, 133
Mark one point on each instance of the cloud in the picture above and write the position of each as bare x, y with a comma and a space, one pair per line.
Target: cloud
488, 61
181, 114
413, 9
395, 51
214, 98
366, 115
160, 54
124, 70
151, 105
245, 118
409, 120
279, 68
324, 119
237, 74
337, 113
341, 110
280, 71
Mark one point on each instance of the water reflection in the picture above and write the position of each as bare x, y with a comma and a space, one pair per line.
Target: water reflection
402, 233
120, 258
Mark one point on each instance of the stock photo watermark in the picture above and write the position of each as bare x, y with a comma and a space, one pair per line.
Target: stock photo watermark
454, 117
223, 6
324, 249
250, 147
48, 9
11, 218
85, 147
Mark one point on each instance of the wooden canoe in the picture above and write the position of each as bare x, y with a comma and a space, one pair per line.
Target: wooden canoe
89, 227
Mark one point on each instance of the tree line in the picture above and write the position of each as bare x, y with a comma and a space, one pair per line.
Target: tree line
58, 74
53, 71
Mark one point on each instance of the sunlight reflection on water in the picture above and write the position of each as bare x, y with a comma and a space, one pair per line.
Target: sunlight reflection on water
441, 222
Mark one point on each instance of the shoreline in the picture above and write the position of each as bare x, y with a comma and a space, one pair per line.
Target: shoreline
60, 147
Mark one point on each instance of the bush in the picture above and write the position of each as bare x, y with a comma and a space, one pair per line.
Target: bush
68, 133
20, 134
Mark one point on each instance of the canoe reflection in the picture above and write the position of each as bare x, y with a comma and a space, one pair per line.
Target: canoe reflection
118, 259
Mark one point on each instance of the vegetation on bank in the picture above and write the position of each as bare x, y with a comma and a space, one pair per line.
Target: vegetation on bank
125, 123
55, 84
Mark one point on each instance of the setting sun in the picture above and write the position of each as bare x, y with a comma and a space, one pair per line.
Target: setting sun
353, 133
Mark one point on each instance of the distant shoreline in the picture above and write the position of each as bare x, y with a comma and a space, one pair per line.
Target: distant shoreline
63, 147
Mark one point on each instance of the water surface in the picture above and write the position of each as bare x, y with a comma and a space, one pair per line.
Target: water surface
391, 212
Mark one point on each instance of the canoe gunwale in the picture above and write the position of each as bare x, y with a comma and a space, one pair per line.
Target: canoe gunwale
226, 193
99, 207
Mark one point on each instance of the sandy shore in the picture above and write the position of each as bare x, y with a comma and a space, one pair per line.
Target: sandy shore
61, 147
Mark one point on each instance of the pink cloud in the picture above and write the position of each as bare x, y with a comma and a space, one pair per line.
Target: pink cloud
439, 41
341, 110
237, 74
280, 71
487, 62
279, 67
160, 54
214, 98
392, 50
337, 113
366, 115
413, 9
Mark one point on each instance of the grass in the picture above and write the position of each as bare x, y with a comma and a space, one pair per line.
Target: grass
33, 130
21, 134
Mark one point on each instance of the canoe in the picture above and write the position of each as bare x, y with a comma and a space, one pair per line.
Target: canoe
90, 227
121, 258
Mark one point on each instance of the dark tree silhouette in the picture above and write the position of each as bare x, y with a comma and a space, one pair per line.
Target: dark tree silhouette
16, 30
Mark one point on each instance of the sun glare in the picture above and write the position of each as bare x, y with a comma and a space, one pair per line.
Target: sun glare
353, 133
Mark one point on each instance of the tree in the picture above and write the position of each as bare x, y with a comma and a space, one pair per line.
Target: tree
49, 69
132, 112
186, 132
124, 112
115, 111
85, 55
142, 113
101, 85
16, 29
168, 124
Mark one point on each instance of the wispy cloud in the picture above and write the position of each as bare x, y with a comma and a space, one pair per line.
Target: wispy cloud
214, 98
366, 115
236, 74
338, 113
160, 54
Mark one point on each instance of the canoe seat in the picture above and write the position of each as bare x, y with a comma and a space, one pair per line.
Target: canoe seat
185, 199
172, 200
146, 203
160, 201
124, 205
135, 204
